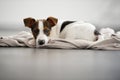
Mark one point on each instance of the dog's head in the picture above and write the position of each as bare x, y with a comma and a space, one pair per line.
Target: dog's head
40, 29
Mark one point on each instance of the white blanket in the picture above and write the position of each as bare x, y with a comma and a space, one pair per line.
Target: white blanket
24, 39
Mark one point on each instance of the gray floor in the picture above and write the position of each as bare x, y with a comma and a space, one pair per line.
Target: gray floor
17, 63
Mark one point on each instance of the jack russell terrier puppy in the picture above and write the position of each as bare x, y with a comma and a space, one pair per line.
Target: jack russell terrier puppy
44, 29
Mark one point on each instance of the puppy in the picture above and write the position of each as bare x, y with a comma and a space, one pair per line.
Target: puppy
44, 29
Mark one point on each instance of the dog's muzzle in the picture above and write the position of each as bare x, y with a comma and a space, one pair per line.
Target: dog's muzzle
41, 42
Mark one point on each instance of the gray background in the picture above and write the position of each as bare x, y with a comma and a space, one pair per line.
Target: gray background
103, 13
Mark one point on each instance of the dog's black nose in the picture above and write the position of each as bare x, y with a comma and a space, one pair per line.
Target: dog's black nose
41, 42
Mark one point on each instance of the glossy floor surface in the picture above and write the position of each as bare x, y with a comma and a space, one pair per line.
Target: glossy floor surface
55, 64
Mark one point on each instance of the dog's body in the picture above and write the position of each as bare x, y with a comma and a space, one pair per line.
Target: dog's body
43, 30
73, 30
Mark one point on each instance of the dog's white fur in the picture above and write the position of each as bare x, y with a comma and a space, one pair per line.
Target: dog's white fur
76, 30
41, 35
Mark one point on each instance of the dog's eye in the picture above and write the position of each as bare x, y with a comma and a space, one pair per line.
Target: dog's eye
36, 30
47, 32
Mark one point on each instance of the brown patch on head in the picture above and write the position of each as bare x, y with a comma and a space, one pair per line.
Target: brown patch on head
47, 27
35, 30
48, 24
33, 24
29, 22
52, 21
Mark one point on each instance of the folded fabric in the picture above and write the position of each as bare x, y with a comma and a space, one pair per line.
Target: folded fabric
25, 39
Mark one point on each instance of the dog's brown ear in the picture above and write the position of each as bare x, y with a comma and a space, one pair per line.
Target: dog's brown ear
29, 22
53, 21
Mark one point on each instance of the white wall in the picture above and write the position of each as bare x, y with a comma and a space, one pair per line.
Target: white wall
96, 11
